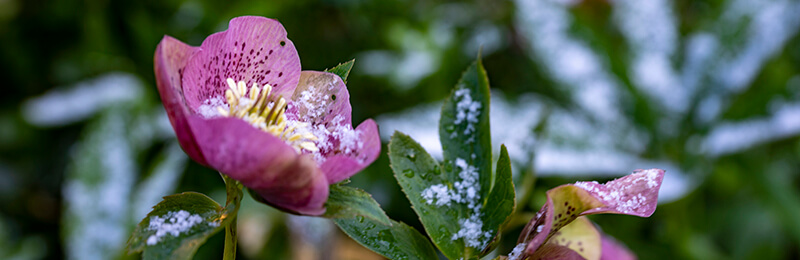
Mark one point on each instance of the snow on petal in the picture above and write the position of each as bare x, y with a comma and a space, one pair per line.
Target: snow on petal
635, 194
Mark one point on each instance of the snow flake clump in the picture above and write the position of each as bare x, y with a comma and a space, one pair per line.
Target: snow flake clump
333, 137
466, 191
472, 232
314, 102
466, 111
439, 194
337, 137
173, 223
516, 252
209, 108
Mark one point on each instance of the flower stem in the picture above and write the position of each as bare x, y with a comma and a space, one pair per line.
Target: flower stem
234, 190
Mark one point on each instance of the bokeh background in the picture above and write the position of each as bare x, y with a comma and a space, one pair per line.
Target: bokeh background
582, 90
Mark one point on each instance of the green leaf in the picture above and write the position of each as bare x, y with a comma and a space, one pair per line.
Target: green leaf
394, 241
343, 69
362, 218
459, 204
464, 126
500, 202
201, 216
416, 171
348, 202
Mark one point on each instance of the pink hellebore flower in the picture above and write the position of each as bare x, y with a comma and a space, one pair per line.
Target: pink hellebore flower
240, 104
559, 230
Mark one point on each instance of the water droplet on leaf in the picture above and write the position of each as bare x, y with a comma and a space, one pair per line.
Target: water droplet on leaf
408, 173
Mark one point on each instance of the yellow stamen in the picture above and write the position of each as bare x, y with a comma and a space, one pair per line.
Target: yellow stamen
255, 107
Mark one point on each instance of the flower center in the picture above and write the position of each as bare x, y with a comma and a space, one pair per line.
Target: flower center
256, 108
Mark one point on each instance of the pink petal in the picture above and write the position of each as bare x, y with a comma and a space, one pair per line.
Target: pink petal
320, 97
262, 162
170, 58
635, 194
556, 252
613, 250
253, 50
340, 167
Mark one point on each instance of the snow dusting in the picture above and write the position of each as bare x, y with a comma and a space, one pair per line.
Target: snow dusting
627, 194
467, 111
334, 135
209, 108
516, 252
173, 223
438, 194
466, 191
337, 137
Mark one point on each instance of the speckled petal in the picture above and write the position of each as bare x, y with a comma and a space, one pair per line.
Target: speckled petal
262, 162
340, 167
581, 236
635, 194
253, 50
556, 252
320, 97
170, 58
613, 250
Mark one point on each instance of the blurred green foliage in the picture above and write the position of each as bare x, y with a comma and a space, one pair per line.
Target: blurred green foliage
742, 202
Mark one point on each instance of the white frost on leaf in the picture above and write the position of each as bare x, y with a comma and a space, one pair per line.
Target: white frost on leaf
465, 191
173, 224
467, 111
439, 194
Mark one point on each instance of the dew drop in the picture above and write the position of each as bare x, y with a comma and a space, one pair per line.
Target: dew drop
360, 219
408, 173
436, 170
448, 166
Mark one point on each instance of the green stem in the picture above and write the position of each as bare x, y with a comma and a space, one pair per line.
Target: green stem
230, 241
232, 203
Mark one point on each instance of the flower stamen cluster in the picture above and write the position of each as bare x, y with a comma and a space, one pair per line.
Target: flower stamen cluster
255, 108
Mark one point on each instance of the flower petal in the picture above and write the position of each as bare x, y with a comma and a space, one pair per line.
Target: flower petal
320, 97
613, 250
340, 167
635, 194
170, 58
555, 252
262, 162
580, 236
304, 196
253, 50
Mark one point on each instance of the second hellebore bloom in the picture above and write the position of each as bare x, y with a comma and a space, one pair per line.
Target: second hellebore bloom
240, 104
560, 230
